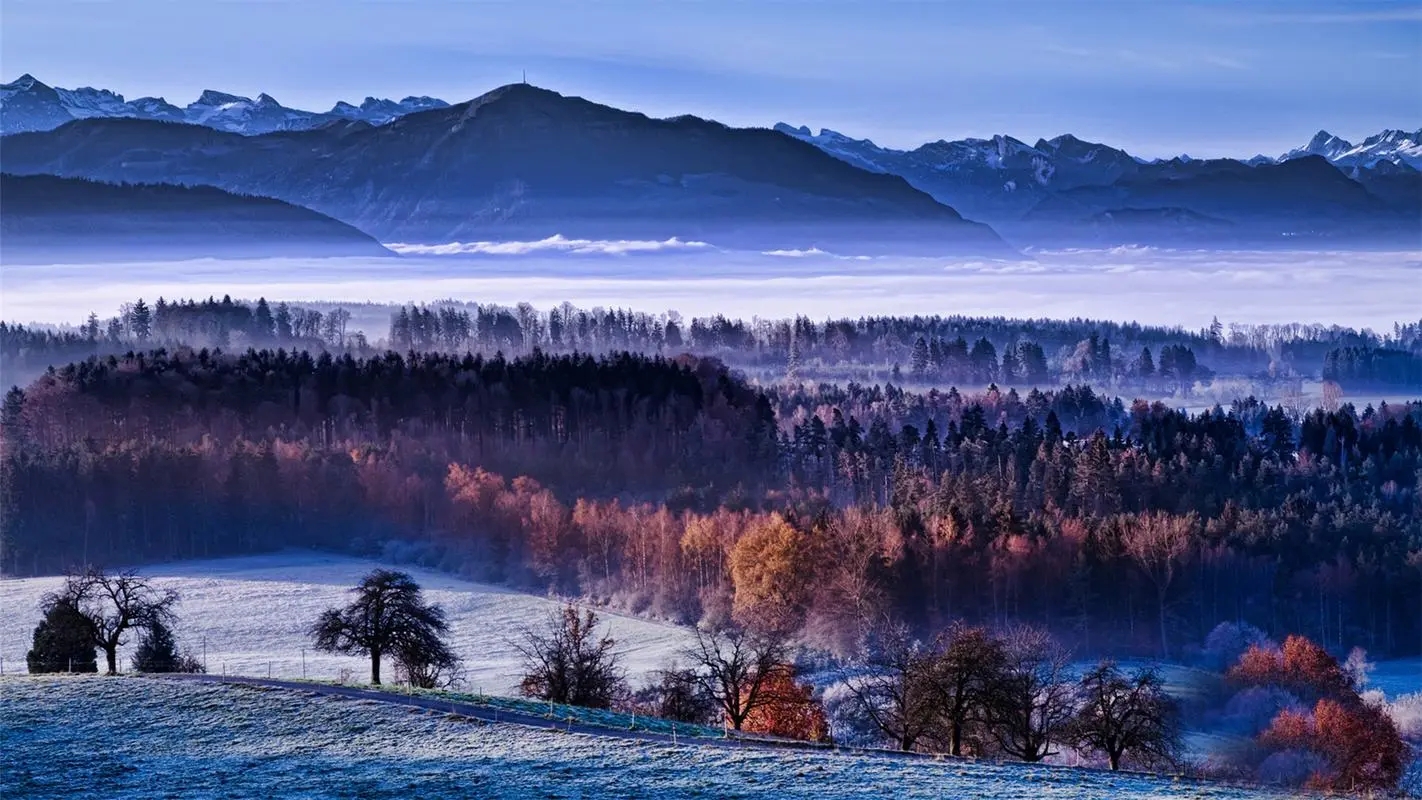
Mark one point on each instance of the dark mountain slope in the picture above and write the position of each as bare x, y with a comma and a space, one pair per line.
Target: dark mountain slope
1298, 200
46, 218
522, 162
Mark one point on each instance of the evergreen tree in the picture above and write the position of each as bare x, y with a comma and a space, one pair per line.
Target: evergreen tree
263, 323
63, 641
157, 650
140, 321
918, 360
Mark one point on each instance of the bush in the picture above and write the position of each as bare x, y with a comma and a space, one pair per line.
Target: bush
1228, 641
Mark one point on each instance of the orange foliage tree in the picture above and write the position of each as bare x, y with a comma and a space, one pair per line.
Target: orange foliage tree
789, 710
1359, 742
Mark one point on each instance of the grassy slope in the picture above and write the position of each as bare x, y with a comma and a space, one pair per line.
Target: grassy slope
255, 610
194, 740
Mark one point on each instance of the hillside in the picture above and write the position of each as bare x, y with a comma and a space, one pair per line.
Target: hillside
253, 612
44, 218
158, 736
524, 163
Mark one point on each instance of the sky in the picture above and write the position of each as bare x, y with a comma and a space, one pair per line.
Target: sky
1157, 78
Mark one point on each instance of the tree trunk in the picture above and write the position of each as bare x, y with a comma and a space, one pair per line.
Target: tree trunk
111, 655
1164, 648
375, 666
1115, 759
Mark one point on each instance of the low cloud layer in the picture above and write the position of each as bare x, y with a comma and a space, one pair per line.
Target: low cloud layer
553, 244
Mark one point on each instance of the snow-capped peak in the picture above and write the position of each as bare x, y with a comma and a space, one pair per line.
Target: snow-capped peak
212, 97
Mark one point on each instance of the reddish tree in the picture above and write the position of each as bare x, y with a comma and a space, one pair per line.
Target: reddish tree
1359, 742
790, 709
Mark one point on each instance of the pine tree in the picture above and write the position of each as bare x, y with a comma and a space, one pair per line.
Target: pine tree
140, 321
918, 360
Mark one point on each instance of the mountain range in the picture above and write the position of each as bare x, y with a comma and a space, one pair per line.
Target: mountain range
49, 219
29, 105
522, 162
1066, 190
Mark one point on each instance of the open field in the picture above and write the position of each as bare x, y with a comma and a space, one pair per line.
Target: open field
143, 738
254, 611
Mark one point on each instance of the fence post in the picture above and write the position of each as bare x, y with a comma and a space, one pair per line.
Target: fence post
204, 655
269, 670
303, 663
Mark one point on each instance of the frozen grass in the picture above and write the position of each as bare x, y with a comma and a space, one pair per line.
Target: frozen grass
143, 738
254, 611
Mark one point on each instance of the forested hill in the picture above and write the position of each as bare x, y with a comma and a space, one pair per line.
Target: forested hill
44, 218
671, 486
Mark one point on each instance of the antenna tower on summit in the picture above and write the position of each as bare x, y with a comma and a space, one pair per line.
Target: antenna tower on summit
525, 77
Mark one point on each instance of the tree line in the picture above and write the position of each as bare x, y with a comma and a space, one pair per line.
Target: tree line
671, 487
922, 350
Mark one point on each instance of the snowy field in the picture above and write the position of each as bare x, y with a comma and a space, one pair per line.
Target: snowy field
143, 738
1148, 285
253, 612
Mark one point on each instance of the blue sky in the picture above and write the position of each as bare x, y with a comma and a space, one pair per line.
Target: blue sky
1158, 78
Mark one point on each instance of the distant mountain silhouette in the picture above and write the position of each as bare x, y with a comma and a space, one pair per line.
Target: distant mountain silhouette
523, 162
46, 218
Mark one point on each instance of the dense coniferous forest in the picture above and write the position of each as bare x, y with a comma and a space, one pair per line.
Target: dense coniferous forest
673, 487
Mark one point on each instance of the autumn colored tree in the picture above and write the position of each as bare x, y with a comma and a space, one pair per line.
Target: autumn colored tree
787, 708
735, 666
1359, 742
771, 572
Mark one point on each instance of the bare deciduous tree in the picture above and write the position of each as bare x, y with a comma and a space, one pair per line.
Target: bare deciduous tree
736, 666
1032, 701
968, 666
1157, 542
894, 685
572, 662
388, 616
114, 605
1123, 714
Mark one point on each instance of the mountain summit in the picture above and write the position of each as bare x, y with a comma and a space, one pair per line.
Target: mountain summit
522, 162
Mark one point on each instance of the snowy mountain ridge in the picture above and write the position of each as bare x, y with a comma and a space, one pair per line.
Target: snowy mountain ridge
28, 104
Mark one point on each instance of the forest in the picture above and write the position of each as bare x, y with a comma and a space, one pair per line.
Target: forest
673, 487
921, 352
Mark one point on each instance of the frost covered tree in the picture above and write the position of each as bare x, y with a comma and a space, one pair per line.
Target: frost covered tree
389, 616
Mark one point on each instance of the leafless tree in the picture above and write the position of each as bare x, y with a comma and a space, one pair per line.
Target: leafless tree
967, 669
114, 605
894, 685
1157, 542
1032, 701
388, 616
736, 666
1127, 714
571, 661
